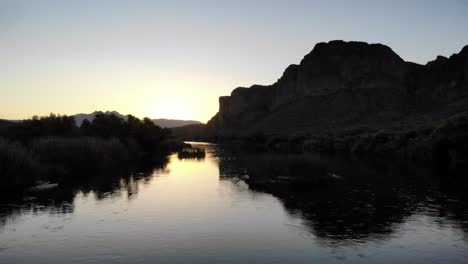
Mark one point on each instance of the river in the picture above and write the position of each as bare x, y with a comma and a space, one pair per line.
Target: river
231, 207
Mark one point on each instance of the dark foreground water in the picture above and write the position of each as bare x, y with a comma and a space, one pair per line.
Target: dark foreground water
233, 207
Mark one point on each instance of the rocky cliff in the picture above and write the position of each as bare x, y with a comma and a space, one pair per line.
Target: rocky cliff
340, 86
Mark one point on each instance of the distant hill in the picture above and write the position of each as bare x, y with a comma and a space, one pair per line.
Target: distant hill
79, 118
192, 132
174, 122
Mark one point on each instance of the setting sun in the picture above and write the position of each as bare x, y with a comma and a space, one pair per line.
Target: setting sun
187, 107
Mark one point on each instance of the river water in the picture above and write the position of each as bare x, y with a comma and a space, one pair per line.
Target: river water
231, 207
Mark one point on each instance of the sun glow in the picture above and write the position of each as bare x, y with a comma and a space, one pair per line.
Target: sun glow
183, 104
172, 107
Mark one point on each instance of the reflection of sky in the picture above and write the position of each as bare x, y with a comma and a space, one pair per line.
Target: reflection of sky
174, 58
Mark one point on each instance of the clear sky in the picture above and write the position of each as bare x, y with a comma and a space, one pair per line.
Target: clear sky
173, 59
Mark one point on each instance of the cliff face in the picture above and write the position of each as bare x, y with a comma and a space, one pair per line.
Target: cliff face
342, 85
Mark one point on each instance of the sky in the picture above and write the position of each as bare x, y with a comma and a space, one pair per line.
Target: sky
173, 59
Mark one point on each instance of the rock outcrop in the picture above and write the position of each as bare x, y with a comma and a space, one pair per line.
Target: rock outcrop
341, 86
358, 98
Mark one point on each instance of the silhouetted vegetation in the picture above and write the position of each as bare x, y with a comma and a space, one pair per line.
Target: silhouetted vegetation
80, 155
133, 131
53, 147
4, 125
444, 146
451, 142
18, 165
52, 125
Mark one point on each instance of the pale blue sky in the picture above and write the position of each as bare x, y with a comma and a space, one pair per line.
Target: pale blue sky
174, 58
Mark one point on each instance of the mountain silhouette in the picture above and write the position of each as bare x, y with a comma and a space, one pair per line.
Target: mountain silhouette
162, 122
342, 85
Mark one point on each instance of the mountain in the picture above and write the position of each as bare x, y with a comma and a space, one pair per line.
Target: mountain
79, 118
344, 85
170, 123
358, 98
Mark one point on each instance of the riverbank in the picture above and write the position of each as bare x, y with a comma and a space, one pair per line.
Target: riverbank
444, 146
53, 148
58, 159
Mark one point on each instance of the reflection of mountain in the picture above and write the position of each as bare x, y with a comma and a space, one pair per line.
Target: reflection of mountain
61, 200
344, 201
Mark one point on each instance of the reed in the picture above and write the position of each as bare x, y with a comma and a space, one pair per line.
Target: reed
18, 165
72, 156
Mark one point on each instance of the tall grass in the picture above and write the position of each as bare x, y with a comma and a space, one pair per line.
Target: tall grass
54, 148
18, 165
64, 157
60, 158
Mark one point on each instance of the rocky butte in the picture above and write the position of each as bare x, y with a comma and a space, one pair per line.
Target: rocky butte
355, 97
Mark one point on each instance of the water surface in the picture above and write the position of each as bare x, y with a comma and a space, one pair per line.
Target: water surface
233, 207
